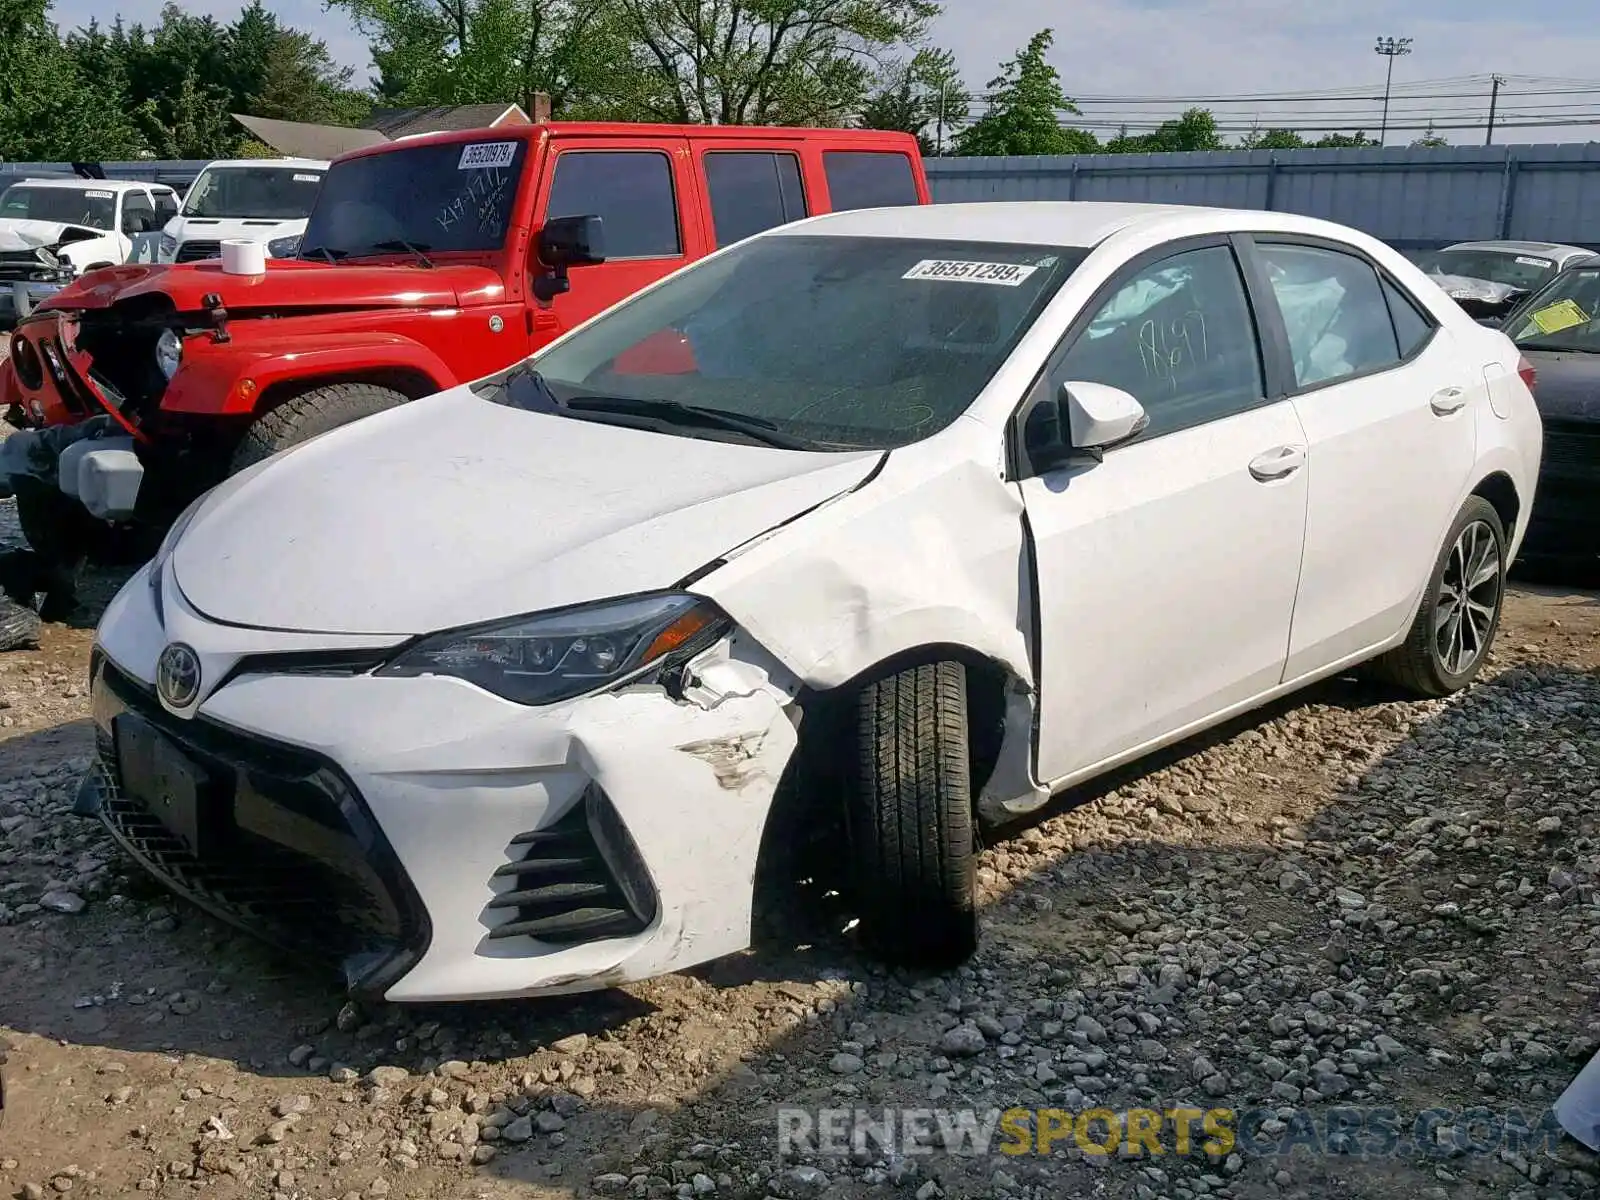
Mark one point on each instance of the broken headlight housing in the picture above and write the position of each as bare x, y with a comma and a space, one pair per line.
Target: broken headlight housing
548, 657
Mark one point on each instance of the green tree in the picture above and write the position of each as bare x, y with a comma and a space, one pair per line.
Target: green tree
1026, 102
924, 97
50, 110
1344, 141
1272, 139
1195, 130
1431, 140
790, 62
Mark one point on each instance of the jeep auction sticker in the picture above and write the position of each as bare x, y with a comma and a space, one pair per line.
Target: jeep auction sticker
1003, 274
486, 154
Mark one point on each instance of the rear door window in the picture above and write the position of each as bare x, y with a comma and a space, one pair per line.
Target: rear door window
629, 190
1334, 310
751, 191
868, 179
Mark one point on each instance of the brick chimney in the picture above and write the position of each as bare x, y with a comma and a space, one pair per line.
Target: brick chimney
541, 108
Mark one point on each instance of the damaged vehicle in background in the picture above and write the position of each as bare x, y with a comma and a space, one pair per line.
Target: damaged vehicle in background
1490, 278
1558, 331
917, 516
427, 262
54, 230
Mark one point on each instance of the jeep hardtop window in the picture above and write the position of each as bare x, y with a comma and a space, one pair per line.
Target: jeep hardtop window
452, 196
95, 208
253, 193
827, 343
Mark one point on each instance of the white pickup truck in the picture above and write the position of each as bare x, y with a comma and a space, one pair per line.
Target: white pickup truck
54, 229
261, 200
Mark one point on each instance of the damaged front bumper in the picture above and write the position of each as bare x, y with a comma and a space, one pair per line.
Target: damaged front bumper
440, 842
93, 462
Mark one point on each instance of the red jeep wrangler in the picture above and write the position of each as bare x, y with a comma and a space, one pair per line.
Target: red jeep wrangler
426, 263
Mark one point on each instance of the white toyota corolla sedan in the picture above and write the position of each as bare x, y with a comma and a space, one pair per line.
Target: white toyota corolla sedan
936, 510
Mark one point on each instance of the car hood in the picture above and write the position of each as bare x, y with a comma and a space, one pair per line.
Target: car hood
1568, 384
19, 234
454, 510
288, 283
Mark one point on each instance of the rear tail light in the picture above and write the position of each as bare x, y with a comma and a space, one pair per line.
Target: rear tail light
1526, 372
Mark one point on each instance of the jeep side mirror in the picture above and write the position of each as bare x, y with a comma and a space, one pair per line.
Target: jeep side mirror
1084, 421
567, 242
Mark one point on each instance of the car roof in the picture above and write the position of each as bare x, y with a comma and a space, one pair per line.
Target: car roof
95, 185
1081, 223
1548, 249
314, 164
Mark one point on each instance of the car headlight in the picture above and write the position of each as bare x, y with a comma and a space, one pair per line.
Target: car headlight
167, 247
548, 657
169, 352
284, 247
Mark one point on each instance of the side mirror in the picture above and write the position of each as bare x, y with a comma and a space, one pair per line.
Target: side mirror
566, 242
1082, 422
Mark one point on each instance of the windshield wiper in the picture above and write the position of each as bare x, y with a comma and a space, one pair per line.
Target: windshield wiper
412, 247
329, 256
673, 412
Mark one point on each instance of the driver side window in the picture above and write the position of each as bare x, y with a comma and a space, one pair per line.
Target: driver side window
1179, 337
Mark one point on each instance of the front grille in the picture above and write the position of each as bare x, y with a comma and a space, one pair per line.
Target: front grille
579, 880
1572, 451
197, 250
293, 855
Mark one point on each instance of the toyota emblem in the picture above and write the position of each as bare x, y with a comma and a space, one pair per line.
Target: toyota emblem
178, 675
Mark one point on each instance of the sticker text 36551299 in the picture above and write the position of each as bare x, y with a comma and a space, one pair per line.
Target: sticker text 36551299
1003, 274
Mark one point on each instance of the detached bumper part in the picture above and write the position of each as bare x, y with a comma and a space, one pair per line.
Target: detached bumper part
103, 474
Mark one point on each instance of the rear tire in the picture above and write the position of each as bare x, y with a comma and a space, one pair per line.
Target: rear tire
1458, 618
65, 535
308, 414
910, 823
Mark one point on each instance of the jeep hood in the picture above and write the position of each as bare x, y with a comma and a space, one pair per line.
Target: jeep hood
287, 284
455, 510
19, 234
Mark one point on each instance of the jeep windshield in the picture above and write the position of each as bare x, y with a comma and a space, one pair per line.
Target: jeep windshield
454, 196
265, 193
92, 207
817, 342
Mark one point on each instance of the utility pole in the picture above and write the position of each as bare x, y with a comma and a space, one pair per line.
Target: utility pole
939, 143
1390, 48
1494, 100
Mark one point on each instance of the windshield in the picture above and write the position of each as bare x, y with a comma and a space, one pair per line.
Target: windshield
452, 196
834, 342
1523, 271
1565, 316
253, 193
94, 207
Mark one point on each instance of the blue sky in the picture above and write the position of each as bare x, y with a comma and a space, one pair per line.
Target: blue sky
1215, 48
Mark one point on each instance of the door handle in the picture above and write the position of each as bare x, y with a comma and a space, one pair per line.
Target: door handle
1278, 464
1448, 400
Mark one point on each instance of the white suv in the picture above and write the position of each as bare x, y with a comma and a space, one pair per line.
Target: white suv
260, 200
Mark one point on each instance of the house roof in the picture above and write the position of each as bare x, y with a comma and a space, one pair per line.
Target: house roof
300, 139
402, 122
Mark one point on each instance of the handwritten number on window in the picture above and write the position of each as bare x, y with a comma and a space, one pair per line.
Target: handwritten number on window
1170, 350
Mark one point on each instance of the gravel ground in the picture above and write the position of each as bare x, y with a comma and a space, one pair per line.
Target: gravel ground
1349, 900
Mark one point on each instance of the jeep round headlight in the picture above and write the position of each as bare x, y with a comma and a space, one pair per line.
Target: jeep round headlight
169, 352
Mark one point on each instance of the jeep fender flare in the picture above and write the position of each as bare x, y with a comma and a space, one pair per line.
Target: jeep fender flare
229, 379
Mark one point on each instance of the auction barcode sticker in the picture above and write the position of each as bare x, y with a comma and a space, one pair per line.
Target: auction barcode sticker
1533, 262
308, 178
99, 195
1003, 274
486, 154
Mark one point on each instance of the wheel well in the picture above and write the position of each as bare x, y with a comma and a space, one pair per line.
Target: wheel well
1502, 496
987, 680
410, 383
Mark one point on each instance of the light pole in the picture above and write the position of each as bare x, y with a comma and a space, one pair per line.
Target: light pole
1390, 48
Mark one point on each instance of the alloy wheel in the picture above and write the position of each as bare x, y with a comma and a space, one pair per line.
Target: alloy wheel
1469, 599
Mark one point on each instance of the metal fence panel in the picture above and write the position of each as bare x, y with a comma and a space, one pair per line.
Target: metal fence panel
1411, 197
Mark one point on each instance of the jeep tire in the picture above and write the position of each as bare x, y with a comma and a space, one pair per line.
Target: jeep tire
909, 819
304, 416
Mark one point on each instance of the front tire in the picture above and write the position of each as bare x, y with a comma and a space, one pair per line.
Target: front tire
308, 414
1456, 623
910, 822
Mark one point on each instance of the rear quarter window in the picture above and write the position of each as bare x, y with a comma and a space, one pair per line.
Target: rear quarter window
868, 179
